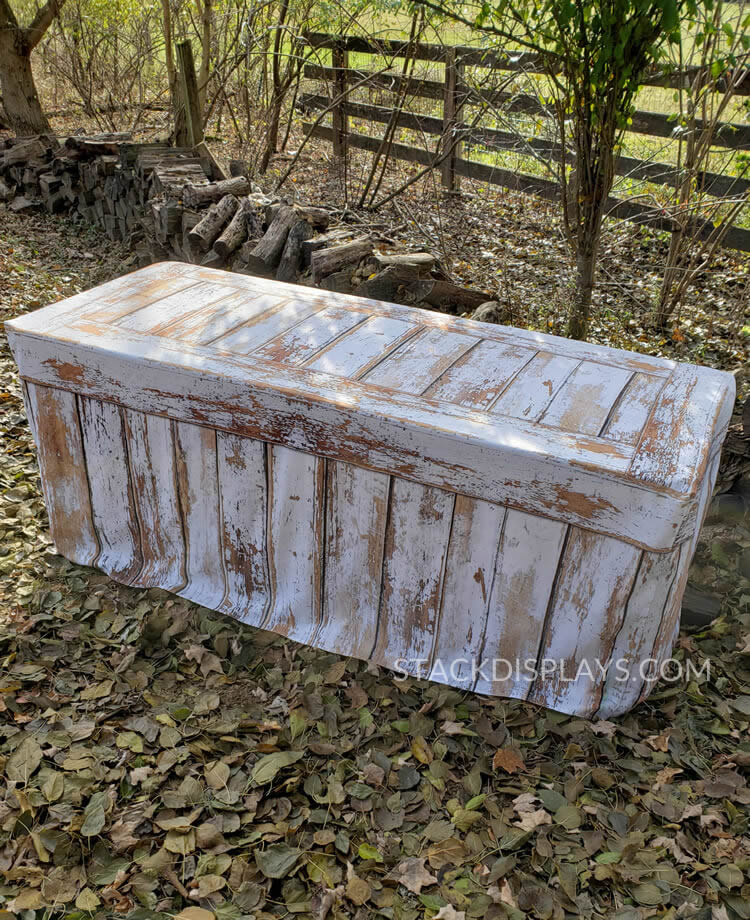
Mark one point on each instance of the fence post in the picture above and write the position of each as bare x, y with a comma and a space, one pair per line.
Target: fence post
191, 99
452, 110
340, 64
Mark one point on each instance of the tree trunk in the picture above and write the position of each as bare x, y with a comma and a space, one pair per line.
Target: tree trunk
178, 108
20, 98
279, 91
272, 135
666, 304
594, 173
206, 13
578, 323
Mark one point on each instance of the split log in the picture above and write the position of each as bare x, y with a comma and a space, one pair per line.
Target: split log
173, 176
92, 145
23, 205
213, 259
291, 257
27, 148
338, 282
6, 193
334, 258
445, 295
318, 218
271, 208
210, 165
150, 157
263, 257
235, 233
320, 242
423, 261
196, 196
389, 284
490, 312
167, 219
204, 233
63, 164
49, 183
129, 153
106, 166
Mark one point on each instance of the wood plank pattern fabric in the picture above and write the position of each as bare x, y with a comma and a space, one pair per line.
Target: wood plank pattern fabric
496, 509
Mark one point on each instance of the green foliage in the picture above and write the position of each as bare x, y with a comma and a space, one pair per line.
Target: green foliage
602, 46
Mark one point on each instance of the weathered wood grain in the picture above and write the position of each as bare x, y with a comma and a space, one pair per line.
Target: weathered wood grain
244, 516
112, 501
629, 415
154, 318
416, 543
420, 361
673, 449
578, 479
469, 572
200, 510
478, 377
205, 327
119, 305
259, 330
303, 341
584, 401
356, 509
296, 496
139, 287
527, 562
539, 341
530, 392
154, 477
595, 578
148, 280
669, 623
63, 468
355, 353
637, 635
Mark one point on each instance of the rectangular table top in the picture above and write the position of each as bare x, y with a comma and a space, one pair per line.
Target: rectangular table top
608, 439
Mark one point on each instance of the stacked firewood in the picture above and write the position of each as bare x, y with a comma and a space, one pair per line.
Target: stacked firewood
175, 203
105, 179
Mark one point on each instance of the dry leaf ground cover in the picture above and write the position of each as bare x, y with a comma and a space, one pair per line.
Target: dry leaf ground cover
161, 760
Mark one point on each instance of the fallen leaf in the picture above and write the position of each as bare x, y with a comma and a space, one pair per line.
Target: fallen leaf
509, 760
278, 860
412, 874
268, 766
24, 761
449, 912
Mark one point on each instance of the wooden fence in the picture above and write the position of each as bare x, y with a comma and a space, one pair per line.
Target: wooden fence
454, 133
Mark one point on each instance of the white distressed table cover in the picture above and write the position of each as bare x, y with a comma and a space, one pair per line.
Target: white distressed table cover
494, 508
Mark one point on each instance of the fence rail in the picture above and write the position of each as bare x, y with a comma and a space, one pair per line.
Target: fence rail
456, 133
521, 61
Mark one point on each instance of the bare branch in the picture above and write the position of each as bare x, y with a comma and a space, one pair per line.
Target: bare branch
44, 18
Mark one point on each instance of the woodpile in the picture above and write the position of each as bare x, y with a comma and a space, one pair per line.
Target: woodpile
175, 203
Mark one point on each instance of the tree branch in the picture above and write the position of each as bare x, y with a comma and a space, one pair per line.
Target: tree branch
44, 18
7, 16
507, 34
